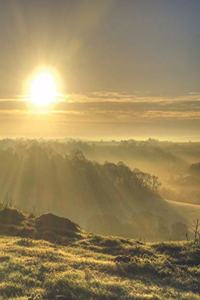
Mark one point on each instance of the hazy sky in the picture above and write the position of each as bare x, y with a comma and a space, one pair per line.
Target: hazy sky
131, 67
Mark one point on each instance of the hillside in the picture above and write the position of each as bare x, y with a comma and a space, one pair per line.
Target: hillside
84, 266
188, 184
106, 198
190, 211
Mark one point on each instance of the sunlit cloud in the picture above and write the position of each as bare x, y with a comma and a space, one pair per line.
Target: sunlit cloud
114, 102
99, 114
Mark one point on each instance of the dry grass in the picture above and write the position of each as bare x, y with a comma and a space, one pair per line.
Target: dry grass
98, 268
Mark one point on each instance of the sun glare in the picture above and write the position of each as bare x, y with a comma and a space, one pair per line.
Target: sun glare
43, 90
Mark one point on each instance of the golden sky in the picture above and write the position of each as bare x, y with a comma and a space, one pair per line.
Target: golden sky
105, 115
128, 68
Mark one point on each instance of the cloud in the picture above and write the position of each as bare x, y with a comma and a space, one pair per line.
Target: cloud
105, 114
110, 104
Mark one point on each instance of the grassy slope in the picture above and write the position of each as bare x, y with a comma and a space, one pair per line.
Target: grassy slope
191, 212
97, 267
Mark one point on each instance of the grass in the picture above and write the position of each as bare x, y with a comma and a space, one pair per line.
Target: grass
97, 267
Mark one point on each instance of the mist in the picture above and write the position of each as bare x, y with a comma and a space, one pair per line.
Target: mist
128, 188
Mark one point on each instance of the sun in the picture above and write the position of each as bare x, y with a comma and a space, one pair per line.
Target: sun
43, 89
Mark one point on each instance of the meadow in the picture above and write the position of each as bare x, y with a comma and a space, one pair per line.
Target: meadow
67, 263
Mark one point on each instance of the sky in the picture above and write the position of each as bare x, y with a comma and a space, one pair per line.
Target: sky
129, 68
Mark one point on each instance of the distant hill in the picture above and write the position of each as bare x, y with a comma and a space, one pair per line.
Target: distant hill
80, 265
105, 198
187, 185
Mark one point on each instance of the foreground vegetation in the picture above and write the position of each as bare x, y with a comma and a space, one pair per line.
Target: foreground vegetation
86, 266
98, 268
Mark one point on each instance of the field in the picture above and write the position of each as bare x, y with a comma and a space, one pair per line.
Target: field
189, 211
86, 266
